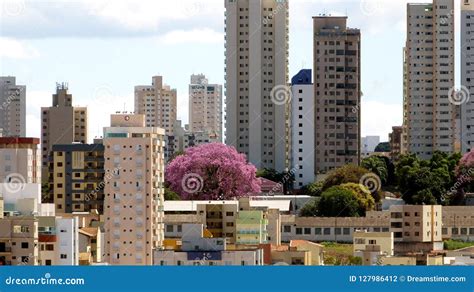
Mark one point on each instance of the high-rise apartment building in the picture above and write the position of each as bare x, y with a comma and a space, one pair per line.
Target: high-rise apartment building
337, 93
395, 140
205, 107
12, 107
302, 128
76, 178
257, 95
467, 76
158, 102
429, 115
134, 163
61, 124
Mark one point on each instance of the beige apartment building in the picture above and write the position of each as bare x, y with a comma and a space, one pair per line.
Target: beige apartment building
205, 107
467, 75
61, 124
20, 160
134, 159
158, 102
12, 107
257, 94
337, 93
19, 241
395, 140
429, 121
76, 178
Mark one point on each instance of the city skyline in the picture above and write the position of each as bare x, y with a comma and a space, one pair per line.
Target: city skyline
98, 88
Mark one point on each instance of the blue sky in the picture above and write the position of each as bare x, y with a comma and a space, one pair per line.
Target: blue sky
103, 48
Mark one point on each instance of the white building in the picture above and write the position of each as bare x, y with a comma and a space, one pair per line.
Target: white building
429, 115
196, 250
67, 230
257, 95
12, 107
368, 144
302, 129
205, 107
467, 75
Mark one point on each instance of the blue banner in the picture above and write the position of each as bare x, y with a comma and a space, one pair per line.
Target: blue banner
188, 278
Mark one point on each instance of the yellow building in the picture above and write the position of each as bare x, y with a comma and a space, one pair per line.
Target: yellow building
76, 176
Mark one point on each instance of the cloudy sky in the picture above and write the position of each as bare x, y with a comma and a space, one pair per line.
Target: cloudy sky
103, 48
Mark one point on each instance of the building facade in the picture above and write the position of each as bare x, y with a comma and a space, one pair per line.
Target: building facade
302, 128
395, 140
257, 93
205, 107
61, 124
19, 241
20, 159
12, 107
429, 123
337, 92
467, 75
158, 102
134, 159
76, 178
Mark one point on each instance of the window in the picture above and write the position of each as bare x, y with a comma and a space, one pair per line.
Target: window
299, 230
229, 214
317, 231
338, 231
169, 228
307, 231
327, 231
287, 229
63, 256
24, 245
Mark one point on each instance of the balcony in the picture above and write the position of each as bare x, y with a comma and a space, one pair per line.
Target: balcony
5, 249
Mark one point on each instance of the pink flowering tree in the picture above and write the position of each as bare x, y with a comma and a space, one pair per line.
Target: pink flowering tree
211, 172
465, 169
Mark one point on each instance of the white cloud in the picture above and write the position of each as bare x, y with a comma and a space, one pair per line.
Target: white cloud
378, 118
13, 49
196, 36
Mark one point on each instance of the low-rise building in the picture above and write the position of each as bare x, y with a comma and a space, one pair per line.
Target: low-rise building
370, 246
19, 241
198, 250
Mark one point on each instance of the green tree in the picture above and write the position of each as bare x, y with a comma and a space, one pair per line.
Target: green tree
310, 209
346, 174
171, 196
313, 189
378, 166
363, 196
338, 202
383, 147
